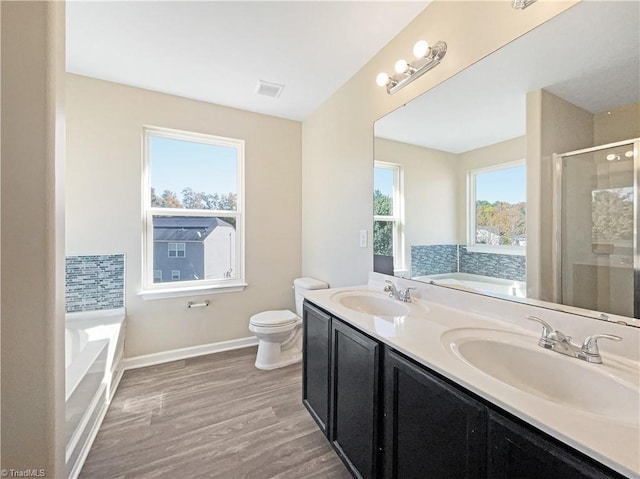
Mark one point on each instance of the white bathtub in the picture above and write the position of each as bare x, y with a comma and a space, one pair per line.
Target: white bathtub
94, 345
474, 282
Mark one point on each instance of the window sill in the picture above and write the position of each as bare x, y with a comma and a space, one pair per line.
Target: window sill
167, 293
401, 272
496, 249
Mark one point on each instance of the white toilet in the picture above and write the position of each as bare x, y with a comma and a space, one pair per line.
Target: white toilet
280, 332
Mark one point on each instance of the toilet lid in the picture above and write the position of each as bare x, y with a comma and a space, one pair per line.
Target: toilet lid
273, 318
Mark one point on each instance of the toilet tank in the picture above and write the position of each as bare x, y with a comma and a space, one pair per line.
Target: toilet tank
305, 284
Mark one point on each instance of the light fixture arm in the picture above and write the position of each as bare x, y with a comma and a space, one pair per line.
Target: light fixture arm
521, 4
417, 68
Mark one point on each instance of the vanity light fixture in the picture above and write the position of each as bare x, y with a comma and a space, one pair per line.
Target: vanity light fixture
427, 57
522, 4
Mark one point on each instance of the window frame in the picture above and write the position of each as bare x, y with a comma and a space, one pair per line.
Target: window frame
151, 290
397, 217
472, 246
177, 250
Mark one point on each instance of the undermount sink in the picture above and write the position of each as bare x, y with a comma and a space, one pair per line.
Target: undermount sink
370, 302
516, 360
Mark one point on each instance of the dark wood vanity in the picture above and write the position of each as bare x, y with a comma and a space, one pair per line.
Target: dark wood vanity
388, 416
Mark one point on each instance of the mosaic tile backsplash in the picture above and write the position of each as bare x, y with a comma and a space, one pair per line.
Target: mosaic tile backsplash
451, 258
94, 282
434, 259
505, 266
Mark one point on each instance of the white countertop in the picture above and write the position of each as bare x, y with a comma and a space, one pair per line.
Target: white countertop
418, 336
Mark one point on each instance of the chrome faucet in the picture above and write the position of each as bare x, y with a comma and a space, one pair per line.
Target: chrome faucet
403, 295
557, 341
391, 289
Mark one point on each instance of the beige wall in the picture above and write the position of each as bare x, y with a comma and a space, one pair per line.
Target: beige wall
491, 155
104, 128
429, 178
553, 126
337, 139
32, 215
618, 124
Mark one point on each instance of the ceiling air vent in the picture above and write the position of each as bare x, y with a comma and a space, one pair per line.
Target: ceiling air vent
269, 89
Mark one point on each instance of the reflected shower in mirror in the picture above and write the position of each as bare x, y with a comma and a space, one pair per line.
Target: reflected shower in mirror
467, 188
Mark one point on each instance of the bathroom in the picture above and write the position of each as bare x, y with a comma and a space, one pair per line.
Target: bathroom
317, 234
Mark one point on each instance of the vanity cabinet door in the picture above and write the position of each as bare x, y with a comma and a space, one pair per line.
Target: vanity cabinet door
515, 451
315, 364
354, 392
432, 430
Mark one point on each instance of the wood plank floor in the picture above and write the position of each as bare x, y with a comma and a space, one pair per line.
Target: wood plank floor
213, 416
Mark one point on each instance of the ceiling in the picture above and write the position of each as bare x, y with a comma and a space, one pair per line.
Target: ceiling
588, 55
218, 51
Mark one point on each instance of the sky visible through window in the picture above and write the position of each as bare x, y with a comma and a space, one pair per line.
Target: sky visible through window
179, 164
383, 180
509, 185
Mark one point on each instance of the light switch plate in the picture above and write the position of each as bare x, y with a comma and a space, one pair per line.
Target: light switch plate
363, 238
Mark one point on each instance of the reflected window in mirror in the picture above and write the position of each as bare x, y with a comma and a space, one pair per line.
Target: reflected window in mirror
497, 208
387, 213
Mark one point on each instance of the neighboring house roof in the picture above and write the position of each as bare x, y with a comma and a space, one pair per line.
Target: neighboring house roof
184, 228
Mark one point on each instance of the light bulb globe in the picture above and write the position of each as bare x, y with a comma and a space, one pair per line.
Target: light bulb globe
421, 48
382, 79
401, 66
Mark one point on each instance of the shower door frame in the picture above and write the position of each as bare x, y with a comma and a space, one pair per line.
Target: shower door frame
557, 219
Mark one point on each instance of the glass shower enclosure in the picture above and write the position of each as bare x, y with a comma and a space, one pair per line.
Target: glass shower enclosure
596, 221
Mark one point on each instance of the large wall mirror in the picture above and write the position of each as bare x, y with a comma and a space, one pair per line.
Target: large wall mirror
518, 177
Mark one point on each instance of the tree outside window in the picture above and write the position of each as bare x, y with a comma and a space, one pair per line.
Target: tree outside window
498, 206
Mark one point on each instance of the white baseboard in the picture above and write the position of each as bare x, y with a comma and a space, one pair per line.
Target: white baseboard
145, 360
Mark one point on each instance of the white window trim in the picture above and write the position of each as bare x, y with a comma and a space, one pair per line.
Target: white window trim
397, 216
472, 246
152, 290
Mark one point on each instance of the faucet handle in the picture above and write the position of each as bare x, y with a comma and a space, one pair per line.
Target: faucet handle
391, 289
547, 330
590, 345
405, 294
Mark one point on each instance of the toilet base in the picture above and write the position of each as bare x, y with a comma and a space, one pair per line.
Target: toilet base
270, 356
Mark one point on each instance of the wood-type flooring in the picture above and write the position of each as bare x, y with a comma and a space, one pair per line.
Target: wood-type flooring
213, 416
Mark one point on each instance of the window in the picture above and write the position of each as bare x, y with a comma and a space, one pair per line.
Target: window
387, 212
176, 250
193, 216
497, 208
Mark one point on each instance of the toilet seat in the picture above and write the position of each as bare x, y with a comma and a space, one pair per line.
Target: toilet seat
272, 319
